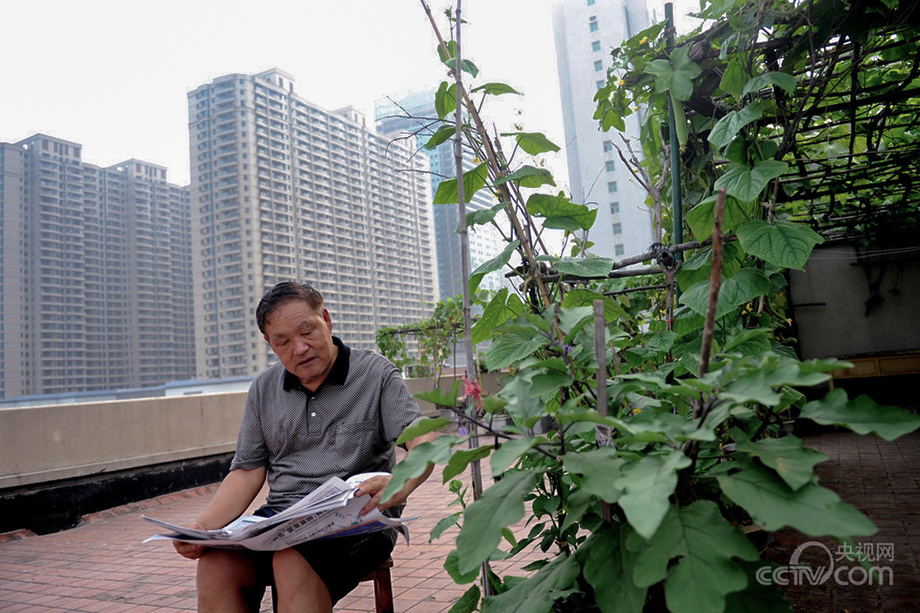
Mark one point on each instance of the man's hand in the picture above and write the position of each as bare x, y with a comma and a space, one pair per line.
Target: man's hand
188, 550
374, 487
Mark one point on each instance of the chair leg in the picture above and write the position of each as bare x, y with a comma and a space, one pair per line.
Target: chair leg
383, 591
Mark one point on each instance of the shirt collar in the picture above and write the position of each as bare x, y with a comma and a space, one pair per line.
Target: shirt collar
336, 376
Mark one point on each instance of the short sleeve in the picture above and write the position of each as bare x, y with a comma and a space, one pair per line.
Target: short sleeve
398, 409
251, 451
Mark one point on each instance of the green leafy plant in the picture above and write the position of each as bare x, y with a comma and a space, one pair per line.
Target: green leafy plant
643, 431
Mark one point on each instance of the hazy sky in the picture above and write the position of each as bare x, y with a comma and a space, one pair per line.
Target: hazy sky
113, 74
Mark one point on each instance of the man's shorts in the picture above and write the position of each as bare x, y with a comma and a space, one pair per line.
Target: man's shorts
340, 562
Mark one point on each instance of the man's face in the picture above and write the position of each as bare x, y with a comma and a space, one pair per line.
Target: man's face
301, 337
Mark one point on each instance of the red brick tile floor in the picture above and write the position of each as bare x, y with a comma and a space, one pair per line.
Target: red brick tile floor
102, 566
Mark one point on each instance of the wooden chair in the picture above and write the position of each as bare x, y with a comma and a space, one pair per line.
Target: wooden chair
383, 587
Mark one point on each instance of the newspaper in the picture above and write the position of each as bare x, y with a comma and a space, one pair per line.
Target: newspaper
329, 511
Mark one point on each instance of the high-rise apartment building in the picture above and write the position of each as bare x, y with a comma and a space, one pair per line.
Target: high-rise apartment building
95, 271
415, 113
586, 31
283, 189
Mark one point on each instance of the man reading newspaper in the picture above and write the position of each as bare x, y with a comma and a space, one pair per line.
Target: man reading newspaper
324, 411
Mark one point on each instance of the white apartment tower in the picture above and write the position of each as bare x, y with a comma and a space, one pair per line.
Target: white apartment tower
586, 31
95, 272
415, 112
285, 190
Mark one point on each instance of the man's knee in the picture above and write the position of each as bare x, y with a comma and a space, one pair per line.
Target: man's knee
296, 579
222, 569
290, 564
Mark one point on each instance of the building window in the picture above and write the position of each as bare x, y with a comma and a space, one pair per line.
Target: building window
592, 23
609, 165
608, 145
600, 83
595, 45
618, 249
598, 65
614, 208
618, 228
611, 186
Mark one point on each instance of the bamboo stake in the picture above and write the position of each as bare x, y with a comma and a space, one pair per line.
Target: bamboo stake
600, 351
471, 374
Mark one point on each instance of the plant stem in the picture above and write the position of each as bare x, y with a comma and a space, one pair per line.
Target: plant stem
715, 280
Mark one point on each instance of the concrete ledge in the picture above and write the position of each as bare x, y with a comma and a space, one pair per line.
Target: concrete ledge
58, 505
47, 443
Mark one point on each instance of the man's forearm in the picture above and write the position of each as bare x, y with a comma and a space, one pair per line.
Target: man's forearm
236, 492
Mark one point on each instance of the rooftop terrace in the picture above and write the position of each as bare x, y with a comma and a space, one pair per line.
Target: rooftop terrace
102, 566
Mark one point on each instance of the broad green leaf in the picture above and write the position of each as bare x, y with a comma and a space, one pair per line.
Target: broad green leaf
698, 266
861, 415
440, 135
608, 566
599, 468
461, 459
701, 218
548, 383
782, 80
661, 341
491, 265
573, 319
508, 348
528, 176
417, 461
591, 267
783, 243
445, 99
452, 566
443, 524
468, 602
746, 335
496, 89
523, 409
442, 399
473, 181
752, 387
465, 65
726, 128
733, 79
585, 297
448, 51
424, 426
561, 213
757, 598
788, 456
706, 545
648, 483
784, 370
498, 311
537, 593
484, 216
533, 143
746, 183
743, 286
676, 74
509, 452
811, 509
501, 505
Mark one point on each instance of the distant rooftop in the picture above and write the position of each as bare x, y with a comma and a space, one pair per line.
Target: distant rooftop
173, 388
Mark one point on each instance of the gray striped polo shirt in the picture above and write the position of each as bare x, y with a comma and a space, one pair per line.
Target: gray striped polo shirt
346, 426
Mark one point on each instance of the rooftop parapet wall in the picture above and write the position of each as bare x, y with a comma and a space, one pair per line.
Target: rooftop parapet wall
48, 443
